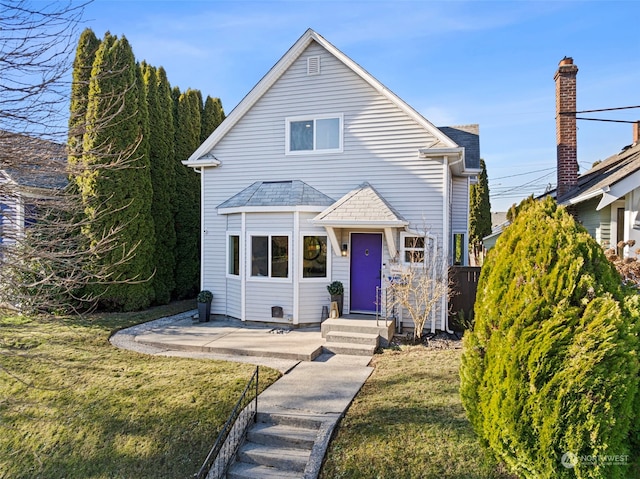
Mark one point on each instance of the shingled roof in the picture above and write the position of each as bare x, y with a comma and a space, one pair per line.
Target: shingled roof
607, 177
290, 193
363, 205
33, 162
467, 136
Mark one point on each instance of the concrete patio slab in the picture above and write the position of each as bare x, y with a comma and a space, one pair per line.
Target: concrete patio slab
235, 338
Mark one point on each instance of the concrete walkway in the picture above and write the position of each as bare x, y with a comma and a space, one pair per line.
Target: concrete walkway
321, 387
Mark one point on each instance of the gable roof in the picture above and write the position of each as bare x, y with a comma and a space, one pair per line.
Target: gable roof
268, 194
197, 158
363, 206
32, 162
611, 179
468, 137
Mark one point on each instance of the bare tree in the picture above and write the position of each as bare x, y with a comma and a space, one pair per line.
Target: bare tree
419, 282
45, 261
628, 266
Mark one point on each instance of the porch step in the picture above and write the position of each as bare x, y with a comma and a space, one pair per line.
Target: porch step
244, 470
357, 327
284, 458
282, 435
352, 349
277, 447
354, 338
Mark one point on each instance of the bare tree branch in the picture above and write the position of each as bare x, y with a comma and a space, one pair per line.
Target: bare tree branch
46, 262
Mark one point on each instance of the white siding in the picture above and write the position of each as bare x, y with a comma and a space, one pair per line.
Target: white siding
460, 204
381, 146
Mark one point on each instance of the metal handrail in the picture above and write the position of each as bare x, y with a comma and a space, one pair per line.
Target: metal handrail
233, 432
379, 306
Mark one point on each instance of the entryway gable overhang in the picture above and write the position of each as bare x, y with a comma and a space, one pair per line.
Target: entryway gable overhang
361, 209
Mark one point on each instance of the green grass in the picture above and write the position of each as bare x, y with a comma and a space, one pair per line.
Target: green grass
73, 406
408, 422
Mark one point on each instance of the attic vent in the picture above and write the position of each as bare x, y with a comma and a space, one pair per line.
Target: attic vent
313, 65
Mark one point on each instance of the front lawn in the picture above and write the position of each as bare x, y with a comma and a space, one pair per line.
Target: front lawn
74, 406
408, 422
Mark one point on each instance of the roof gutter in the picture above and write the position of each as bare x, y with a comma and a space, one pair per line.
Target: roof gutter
585, 197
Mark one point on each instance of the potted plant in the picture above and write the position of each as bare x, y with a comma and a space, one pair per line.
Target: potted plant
204, 305
336, 291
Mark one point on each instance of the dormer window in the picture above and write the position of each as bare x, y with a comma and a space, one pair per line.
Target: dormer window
314, 134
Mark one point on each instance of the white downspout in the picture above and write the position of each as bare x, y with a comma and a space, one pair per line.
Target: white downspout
297, 253
244, 267
444, 320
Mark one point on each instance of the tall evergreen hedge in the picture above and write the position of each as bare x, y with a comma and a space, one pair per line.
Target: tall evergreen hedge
479, 211
161, 156
82, 65
187, 195
550, 372
212, 116
118, 198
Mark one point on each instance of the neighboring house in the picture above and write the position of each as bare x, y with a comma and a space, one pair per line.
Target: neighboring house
322, 174
498, 223
605, 199
25, 183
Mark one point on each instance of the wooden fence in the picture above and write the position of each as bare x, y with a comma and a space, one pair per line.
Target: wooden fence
463, 293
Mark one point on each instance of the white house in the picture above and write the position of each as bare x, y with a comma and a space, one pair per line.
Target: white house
25, 183
322, 174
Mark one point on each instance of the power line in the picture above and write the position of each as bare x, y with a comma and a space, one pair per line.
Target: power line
600, 109
531, 184
522, 174
601, 119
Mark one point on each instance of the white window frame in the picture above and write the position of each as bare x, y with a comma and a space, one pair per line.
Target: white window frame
301, 259
228, 261
465, 247
249, 265
314, 151
404, 249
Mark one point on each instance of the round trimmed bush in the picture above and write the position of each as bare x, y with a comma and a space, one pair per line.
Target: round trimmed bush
551, 366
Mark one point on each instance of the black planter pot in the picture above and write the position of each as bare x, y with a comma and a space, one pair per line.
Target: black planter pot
338, 298
204, 312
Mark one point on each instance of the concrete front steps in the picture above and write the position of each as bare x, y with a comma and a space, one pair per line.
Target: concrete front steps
277, 447
357, 337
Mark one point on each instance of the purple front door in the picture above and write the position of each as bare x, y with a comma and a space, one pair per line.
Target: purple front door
366, 263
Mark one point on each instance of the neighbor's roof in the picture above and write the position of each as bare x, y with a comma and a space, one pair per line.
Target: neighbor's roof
291, 193
610, 179
32, 162
361, 206
199, 158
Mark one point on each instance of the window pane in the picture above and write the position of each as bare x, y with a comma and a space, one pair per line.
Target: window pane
259, 256
314, 257
414, 256
301, 135
415, 242
458, 248
279, 256
234, 255
328, 133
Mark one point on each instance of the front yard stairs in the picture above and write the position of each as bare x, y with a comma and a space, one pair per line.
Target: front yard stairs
276, 447
355, 336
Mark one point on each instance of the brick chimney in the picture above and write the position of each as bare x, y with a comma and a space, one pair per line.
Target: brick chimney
566, 131
636, 132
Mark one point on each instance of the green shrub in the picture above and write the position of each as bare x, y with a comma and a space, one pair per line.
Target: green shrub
551, 366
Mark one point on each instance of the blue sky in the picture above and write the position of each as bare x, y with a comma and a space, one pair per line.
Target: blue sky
455, 62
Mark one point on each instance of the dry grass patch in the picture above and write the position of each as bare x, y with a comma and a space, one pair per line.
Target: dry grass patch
73, 406
408, 422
